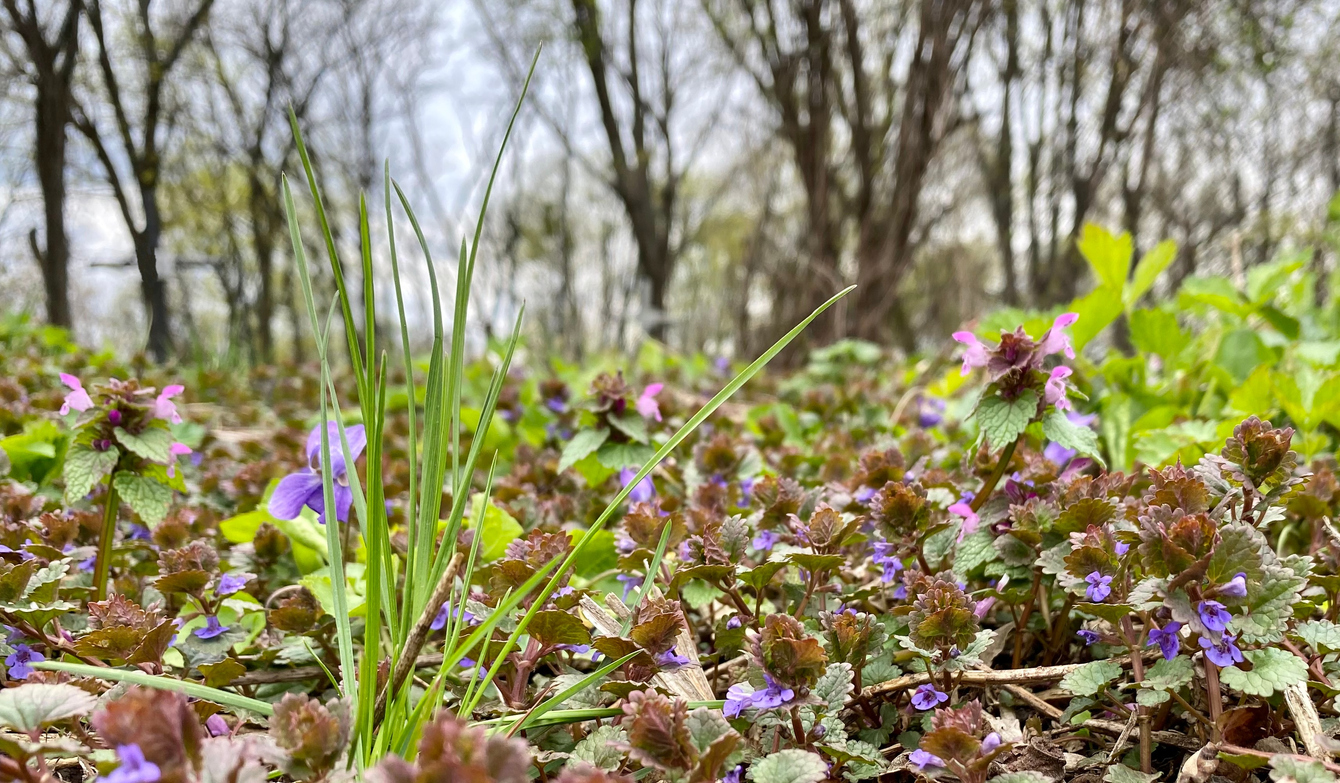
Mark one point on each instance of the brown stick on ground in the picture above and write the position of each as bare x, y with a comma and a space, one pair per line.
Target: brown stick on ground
418, 635
991, 676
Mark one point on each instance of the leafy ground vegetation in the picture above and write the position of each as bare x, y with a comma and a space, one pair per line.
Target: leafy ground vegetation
1014, 561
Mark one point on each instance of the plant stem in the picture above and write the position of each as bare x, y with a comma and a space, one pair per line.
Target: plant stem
108, 535
1214, 698
1138, 670
1001, 467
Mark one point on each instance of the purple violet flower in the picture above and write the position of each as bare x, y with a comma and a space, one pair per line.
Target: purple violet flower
20, 661
765, 540
734, 622
440, 621
1166, 639
922, 759
216, 725
630, 583
735, 775
1057, 454
930, 412
672, 660
738, 698
212, 628
304, 487
1088, 636
863, 494
1235, 587
643, 492
927, 696
1223, 653
134, 767
991, 742
1099, 587
1214, 616
231, 583
1122, 548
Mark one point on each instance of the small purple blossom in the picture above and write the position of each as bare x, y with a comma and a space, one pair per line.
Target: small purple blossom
991, 742
1099, 587
1222, 653
20, 661
883, 557
231, 583
304, 487
1122, 548
1056, 340
1088, 636
645, 489
630, 582
739, 699
646, 403
735, 775
1057, 454
114, 417
672, 660
923, 758
765, 540
1235, 587
733, 623
1055, 388
216, 725
927, 696
864, 494
930, 412
164, 408
440, 621
1214, 615
963, 508
556, 404
212, 628
134, 767
975, 354
1167, 639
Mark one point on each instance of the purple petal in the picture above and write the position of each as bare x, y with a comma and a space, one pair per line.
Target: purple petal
294, 491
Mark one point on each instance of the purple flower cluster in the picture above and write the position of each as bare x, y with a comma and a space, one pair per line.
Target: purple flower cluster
1220, 648
1167, 639
304, 488
21, 660
883, 556
738, 698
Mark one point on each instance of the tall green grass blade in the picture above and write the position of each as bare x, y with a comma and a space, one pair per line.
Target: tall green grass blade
653, 567
369, 301
569, 692
161, 683
561, 717
412, 403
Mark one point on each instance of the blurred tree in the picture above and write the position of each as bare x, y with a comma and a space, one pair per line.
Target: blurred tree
143, 109
50, 47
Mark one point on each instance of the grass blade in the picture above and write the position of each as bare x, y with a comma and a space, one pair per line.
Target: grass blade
569, 692
135, 677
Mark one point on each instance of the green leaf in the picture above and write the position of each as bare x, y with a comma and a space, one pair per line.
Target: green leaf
146, 497
583, 443
1072, 436
834, 687
1091, 678
1238, 551
1096, 310
602, 748
499, 528
1273, 670
789, 766
617, 456
1150, 266
85, 467
1156, 331
1147, 698
1014, 551
153, 443
1320, 635
1002, 421
1241, 351
1287, 769
631, 424
1169, 674
705, 727
1120, 773
28, 708
973, 552
1110, 612
1108, 256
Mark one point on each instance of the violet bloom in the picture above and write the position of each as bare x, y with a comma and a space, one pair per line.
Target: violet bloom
304, 487
1100, 587
212, 628
630, 582
771, 697
974, 355
1236, 587
991, 742
927, 696
20, 661
1056, 340
930, 412
1055, 388
863, 494
77, 399
164, 408
883, 556
174, 451
134, 767
735, 775
556, 404
440, 621
672, 660
733, 622
1214, 615
984, 606
923, 758
1166, 639
1057, 454
647, 405
746, 492
963, 508
765, 540
216, 725
643, 492
1089, 637
1122, 548
231, 583
1223, 653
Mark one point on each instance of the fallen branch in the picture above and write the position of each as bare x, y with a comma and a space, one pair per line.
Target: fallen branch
991, 676
418, 635
1241, 751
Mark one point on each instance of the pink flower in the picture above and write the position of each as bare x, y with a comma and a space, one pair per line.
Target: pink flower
1056, 340
646, 404
176, 450
164, 408
76, 400
975, 355
970, 519
1056, 388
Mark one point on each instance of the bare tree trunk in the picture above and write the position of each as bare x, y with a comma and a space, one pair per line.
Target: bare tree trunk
53, 114
153, 288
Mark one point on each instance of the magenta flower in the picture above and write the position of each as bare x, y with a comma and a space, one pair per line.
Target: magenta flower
975, 354
963, 508
1056, 340
1166, 639
304, 487
176, 450
646, 404
134, 767
77, 399
164, 408
927, 696
1056, 388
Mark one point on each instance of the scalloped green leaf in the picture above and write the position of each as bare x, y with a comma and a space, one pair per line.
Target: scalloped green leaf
1273, 670
85, 467
146, 497
789, 766
583, 444
1321, 635
1091, 678
1002, 421
31, 707
1076, 437
152, 443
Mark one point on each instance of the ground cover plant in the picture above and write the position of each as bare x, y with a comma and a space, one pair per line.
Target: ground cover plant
1094, 544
